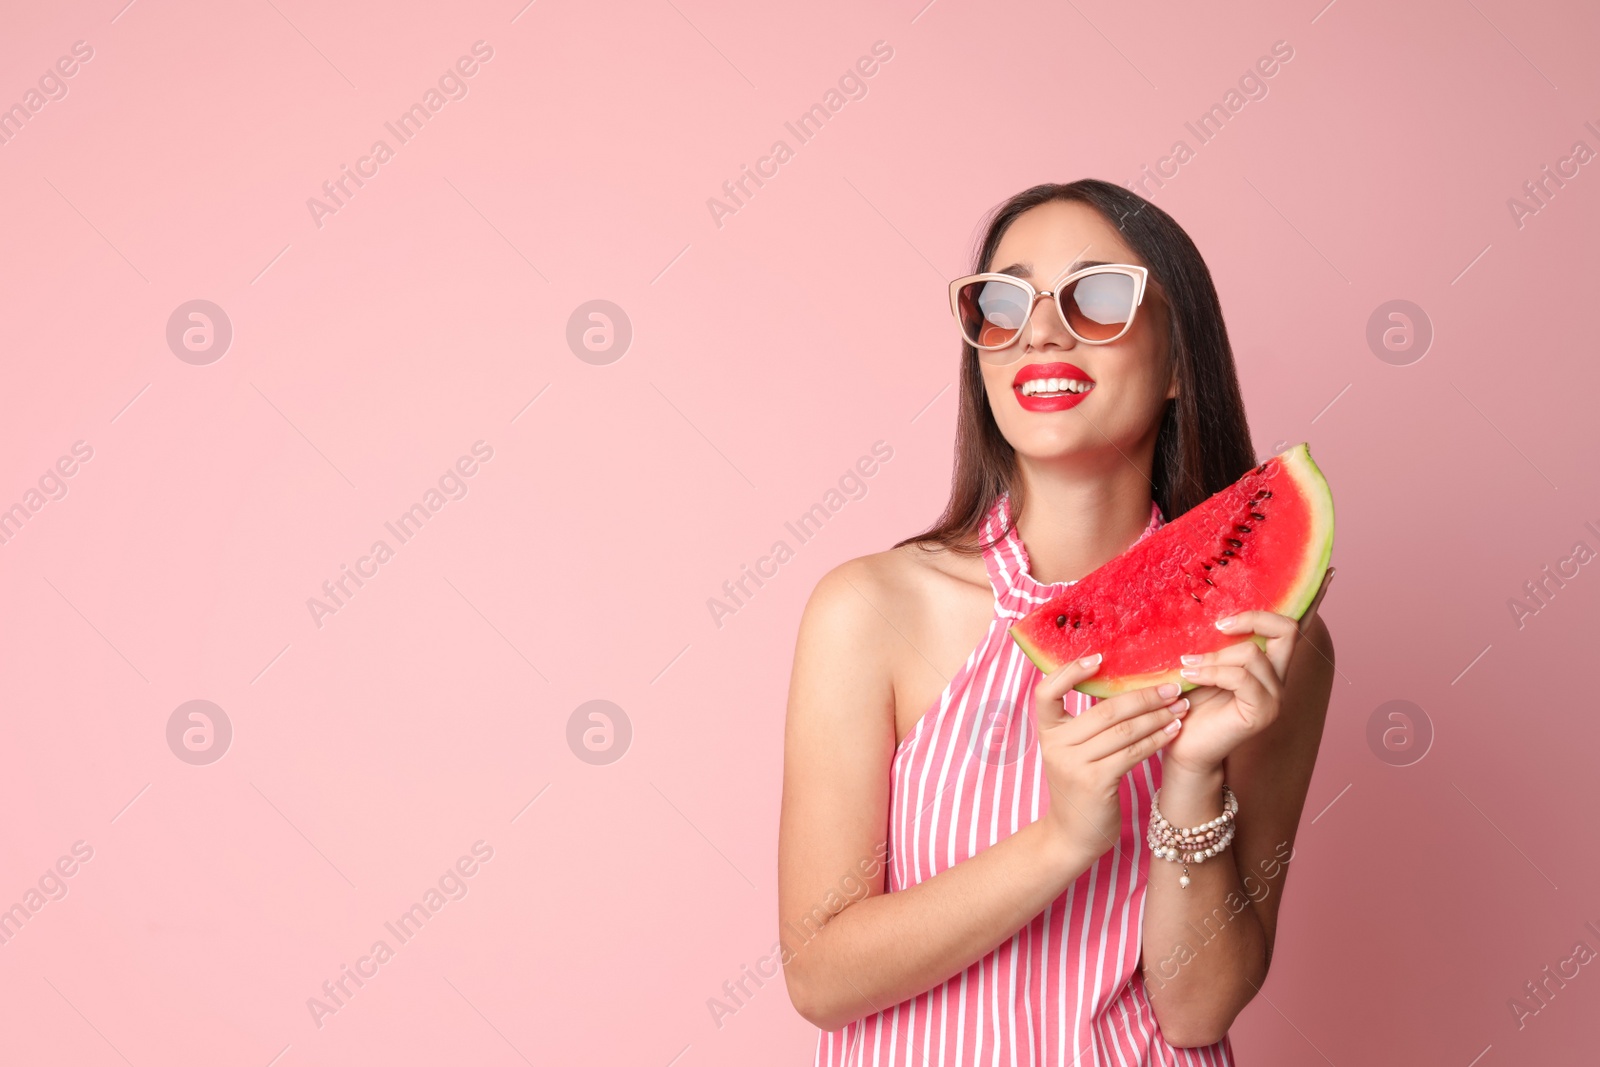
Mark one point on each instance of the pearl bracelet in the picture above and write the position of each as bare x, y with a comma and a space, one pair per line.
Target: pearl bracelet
1197, 843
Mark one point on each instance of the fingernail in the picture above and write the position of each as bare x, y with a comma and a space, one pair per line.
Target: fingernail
1092, 661
1178, 707
1189, 672
1174, 726
1189, 660
1170, 689
1223, 624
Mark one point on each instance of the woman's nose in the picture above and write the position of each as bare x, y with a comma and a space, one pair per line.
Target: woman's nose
1045, 325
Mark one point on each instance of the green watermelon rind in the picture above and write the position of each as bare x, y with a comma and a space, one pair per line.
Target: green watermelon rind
1307, 476
1319, 499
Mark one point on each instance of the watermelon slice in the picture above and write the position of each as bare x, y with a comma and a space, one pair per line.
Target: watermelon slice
1263, 543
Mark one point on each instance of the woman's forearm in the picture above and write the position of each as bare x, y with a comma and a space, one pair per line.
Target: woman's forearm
890, 947
1205, 950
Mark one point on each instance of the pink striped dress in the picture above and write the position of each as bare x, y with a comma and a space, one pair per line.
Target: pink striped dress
1065, 989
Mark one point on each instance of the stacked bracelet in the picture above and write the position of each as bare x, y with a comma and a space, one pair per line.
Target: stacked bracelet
1198, 843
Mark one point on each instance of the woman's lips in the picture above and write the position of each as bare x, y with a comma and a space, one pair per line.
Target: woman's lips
1036, 371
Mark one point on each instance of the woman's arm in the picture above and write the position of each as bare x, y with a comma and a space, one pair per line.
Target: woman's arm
851, 948
1207, 947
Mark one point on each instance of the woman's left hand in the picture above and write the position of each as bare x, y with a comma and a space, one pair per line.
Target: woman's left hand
1240, 687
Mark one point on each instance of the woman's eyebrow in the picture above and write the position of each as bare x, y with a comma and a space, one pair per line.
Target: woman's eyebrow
1025, 270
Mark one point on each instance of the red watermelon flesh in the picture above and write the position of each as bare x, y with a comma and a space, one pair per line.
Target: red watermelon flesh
1263, 543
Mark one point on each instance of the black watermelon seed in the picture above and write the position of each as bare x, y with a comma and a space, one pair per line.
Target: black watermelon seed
1235, 542
1196, 597
1061, 620
1222, 562
1242, 529
1257, 516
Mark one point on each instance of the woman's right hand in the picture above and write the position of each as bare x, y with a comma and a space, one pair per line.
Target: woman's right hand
1086, 756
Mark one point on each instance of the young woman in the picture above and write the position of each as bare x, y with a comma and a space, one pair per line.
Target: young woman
964, 875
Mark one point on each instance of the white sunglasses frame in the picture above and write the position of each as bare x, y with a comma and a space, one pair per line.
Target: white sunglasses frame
1140, 276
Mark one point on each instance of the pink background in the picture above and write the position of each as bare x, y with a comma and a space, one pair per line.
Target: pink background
368, 354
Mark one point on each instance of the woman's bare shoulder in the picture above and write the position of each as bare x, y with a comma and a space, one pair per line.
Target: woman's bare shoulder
870, 626
876, 589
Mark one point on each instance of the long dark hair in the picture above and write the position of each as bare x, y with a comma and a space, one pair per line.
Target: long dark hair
1203, 444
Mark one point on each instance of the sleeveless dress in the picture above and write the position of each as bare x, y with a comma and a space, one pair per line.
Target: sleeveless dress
1066, 989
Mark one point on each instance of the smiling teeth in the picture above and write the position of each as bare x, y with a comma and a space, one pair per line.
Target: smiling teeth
1054, 386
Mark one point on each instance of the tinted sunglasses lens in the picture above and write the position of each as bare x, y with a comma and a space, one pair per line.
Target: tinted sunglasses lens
992, 312
1099, 306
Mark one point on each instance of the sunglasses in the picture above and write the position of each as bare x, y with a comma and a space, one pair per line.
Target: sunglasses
1096, 304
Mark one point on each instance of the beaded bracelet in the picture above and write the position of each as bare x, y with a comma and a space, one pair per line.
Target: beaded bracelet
1198, 843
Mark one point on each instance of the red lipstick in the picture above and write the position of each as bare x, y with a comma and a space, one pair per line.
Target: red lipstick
1038, 371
